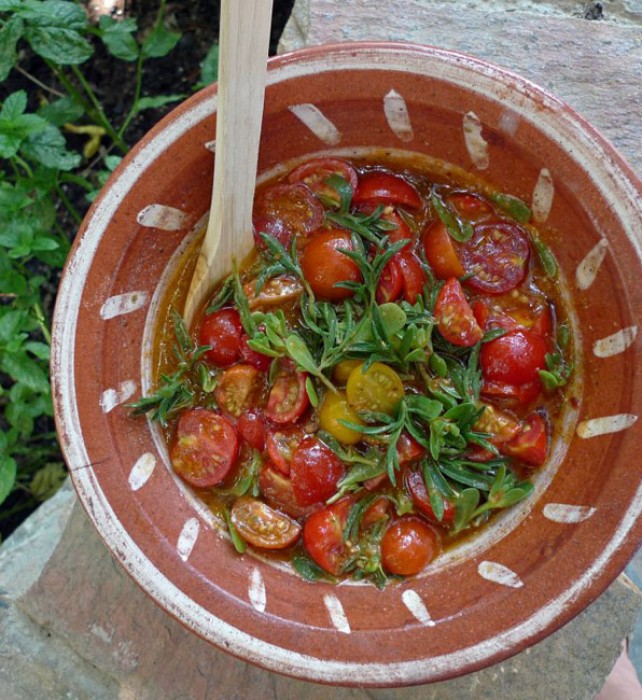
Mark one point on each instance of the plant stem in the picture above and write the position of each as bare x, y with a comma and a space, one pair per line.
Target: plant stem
134, 108
68, 205
40, 318
39, 83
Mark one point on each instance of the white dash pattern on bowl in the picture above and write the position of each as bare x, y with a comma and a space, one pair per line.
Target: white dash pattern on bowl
317, 122
162, 216
337, 614
594, 427
396, 111
498, 573
256, 591
110, 398
187, 538
413, 601
567, 514
616, 343
141, 471
122, 304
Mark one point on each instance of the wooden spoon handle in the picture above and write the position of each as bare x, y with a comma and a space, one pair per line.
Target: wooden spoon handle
243, 50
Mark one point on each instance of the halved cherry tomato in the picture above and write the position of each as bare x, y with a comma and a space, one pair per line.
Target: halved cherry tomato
315, 471
263, 526
379, 187
323, 536
378, 389
277, 490
416, 488
522, 310
408, 449
408, 545
375, 512
252, 357
500, 425
441, 252
286, 211
238, 389
342, 371
315, 173
335, 408
252, 428
471, 206
222, 330
401, 232
413, 273
277, 290
512, 394
281, 443
496, 257
205, 447
324, 265
531, 445
455, 319
288, 397
514, 358
390, 283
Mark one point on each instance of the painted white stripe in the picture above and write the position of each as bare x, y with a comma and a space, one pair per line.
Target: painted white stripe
616, 343
412, 600
475, 143
256, 591
141, 471
162, 217
317, 122
563, 513
122, 304
589, 267
543, 196
498, 573
595, 427
396, 111
187, 538
110, 398
211, 146
337, 614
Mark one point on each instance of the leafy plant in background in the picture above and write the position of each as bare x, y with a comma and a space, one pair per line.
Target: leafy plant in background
41, 176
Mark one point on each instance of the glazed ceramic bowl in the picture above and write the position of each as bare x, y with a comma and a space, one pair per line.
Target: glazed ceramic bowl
495, 594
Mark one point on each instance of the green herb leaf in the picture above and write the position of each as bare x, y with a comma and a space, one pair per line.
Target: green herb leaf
460, 231
159, 42
156, 102
513, 206
546, 257
237, 540
61, 45
209, 66
8, 470
465, 507
117, 35
61, 111
10, 34
49, 148
308, 569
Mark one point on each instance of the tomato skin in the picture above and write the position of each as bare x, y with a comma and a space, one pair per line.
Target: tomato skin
379, 187
323, 536
205, 447
416, 488
455, 319
324, 265
276, 489
252, 357
222, 330
501, 426
512, 394
413, 273
263, 526
252, 428
237, 389
471, 206
378, 389
390, 283
408, 545
314, 173
315, 471
335, 408
288, 397
531, 444
441, 252
286, 211
408, 449
496, 257
514, 358
281, 444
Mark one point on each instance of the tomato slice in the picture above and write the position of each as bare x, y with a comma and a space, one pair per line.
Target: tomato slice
414, 276
263, 526
323, 536
335, 408
281, 443
222, 330
205, 447
379, 187
315, 173
315, 471
512, 394
288, 397
512, 312
531, 444
471, 206
286, 211
277, 490
277, 290
514, 358
379, 389
324, 265
500, 425
441, 252
496, 257
408, 545
238, 389
390, 283
408, 449
416, 488
455, 319
252, 428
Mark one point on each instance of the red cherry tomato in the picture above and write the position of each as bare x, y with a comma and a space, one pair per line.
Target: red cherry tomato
222, 330
522, 311
263, 526
414, 276
324, 265
531, 444
277, 490
402, 231
288, 397
514, 358
315, 471
375, 512
441, 252
252, 428
471, 206
205, 447
496, 257
238, 389
500, 425
408, 449
281, 443
286, 211
252, 357
416, 488
408, 545
455, 319
379, 187
512, 394
390, 283
315, 173
323, 536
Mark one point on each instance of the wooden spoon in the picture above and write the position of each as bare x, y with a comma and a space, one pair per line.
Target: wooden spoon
243, 51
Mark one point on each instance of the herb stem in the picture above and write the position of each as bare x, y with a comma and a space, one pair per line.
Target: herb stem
37, 82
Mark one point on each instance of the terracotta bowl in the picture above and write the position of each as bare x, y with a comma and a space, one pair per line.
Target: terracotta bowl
497, 593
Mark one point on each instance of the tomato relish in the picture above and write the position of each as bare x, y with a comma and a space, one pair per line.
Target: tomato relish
384, 374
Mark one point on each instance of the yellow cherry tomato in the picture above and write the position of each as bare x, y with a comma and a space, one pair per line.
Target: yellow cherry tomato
343, 370
335, 408
379, 389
